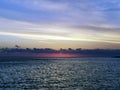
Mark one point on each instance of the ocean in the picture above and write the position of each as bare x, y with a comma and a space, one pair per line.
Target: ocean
60, 73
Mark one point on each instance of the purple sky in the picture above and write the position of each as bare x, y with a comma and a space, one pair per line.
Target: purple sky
60, 23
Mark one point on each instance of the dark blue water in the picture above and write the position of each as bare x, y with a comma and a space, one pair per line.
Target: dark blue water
60, 74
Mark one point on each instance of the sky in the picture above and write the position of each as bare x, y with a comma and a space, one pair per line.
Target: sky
58, 24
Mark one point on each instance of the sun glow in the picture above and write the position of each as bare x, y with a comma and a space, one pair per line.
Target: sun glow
58, 55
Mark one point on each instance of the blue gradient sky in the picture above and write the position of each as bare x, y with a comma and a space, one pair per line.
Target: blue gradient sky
60, 23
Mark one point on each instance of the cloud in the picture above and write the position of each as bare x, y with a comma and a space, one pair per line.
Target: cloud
27, 30
69, 20
51, 11
41, 4
66, 12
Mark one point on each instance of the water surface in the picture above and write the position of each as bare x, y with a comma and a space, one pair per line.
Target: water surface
60, 73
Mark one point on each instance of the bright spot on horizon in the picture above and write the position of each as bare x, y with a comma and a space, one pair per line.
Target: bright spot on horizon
59, 55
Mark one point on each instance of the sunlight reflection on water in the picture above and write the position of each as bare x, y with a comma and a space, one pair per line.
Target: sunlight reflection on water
61, 74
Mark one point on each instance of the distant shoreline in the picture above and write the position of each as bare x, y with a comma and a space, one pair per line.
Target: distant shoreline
62, 53
116, 56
